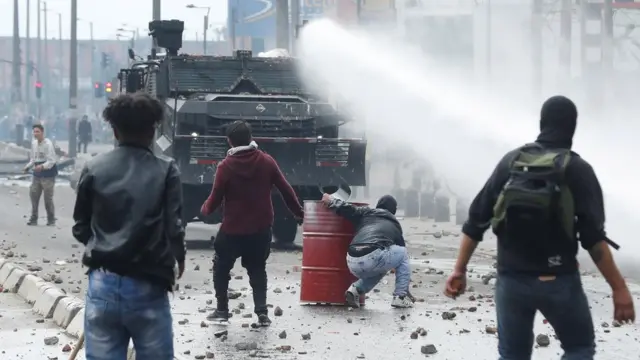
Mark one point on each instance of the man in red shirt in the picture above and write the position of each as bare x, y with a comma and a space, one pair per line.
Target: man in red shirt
244, 180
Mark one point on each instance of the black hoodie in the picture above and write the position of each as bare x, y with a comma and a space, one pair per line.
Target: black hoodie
558, 120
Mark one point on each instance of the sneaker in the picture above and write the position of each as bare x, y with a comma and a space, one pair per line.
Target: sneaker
352, 296
32, 222
219, 316
401, 302
263, 320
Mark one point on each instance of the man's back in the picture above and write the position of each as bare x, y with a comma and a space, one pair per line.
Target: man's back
245, 180
131, 232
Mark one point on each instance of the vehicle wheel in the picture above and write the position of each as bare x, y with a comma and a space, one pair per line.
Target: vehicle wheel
443, 213
427, 205
284, 232
412, 204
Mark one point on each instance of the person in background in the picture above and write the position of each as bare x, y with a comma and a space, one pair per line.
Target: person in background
377, 248
243, 181
84, 134
128, 214
44, 168
542, 200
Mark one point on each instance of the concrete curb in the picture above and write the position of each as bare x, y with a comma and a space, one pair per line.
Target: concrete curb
48, 300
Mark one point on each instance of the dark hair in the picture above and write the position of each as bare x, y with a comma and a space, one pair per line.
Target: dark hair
38, 126
134, 116
239, 133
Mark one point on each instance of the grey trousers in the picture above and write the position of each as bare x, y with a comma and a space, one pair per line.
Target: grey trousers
41, 185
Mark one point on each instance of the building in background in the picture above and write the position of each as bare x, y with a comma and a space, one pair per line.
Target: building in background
378, 14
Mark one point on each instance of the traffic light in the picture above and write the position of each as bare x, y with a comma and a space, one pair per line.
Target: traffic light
98, 90
38, 89
107, 89
106, 60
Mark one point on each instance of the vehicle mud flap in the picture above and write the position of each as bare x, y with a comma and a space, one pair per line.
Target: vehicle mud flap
462, 212
398, 194
442, 211
412, 204
427, 205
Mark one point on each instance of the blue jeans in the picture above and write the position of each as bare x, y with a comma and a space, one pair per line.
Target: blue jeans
119, 309
561, 301
371, 268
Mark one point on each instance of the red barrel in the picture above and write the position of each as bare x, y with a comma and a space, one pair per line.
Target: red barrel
326, 237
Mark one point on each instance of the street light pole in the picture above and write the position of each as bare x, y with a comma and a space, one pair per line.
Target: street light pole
45, 65
27, 71
204, 33
73, 79
60, 52
39, 56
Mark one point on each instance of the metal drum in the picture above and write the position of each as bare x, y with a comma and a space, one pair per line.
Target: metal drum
326, 237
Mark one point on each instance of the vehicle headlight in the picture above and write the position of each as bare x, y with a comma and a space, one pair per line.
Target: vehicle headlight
194, 134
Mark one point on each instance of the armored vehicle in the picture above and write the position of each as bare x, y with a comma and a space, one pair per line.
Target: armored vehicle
204, 94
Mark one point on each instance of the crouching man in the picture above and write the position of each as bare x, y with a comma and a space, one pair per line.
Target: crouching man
377, 247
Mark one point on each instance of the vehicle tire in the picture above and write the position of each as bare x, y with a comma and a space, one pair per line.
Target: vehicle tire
443, 213
412, 204
399, 195
427, 205
285, 230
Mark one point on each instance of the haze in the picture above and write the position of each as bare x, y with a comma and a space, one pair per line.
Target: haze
463, 124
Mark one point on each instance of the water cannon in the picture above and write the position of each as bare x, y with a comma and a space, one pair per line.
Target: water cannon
167, 34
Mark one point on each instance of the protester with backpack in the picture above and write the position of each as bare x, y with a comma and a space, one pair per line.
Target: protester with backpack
541, 201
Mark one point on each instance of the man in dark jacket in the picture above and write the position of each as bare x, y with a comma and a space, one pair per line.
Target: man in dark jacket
541, 272
377, 247
84, 134
128, 214
243, 181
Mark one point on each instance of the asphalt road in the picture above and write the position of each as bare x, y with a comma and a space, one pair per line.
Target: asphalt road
334, 332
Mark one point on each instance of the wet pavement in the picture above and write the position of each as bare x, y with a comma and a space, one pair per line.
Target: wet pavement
375, 332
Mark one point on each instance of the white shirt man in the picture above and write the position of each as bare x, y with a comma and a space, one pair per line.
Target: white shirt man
45, 170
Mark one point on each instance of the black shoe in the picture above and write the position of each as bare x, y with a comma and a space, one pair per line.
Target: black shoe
32, 222
51, 223
285, 246
263, 320
219, 316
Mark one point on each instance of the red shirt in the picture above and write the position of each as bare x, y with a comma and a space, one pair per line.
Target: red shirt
244, 181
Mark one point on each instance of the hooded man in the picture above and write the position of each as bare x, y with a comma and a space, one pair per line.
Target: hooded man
244, 181
542, 200
377, 247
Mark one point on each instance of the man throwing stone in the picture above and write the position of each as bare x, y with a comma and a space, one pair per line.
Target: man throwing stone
43, 165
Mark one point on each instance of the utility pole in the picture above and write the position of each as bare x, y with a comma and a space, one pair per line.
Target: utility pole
536, 41
45, 65
156, 16
232, 29
39, 58
60, 52
93, 53
205, 31
73, 80
295, 23
27, 62
566, 9
16, 93
282, 24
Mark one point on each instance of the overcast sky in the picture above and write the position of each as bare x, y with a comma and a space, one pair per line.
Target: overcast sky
109, 15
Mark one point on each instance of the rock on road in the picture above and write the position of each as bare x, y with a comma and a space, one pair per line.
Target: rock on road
462, 329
